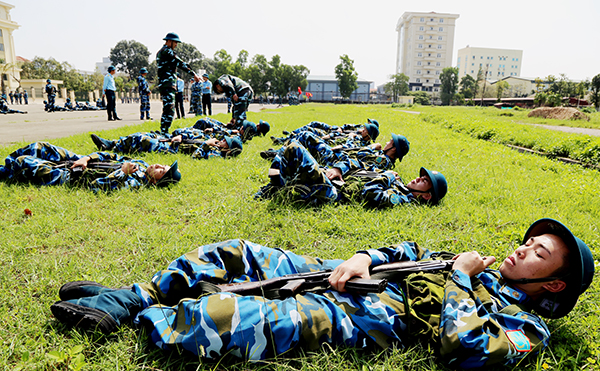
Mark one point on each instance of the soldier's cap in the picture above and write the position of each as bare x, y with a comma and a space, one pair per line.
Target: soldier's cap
264, 127
581, 269
235, 145
173, 175
373, 130
374, 122
402, 145
172, 36
111, 68
439, 185
205, 75
48, 80
143, 70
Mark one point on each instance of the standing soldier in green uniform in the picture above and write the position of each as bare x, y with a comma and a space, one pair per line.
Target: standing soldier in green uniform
240, 92
145, 92
168, 63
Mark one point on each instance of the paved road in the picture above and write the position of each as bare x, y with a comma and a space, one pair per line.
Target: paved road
39, 125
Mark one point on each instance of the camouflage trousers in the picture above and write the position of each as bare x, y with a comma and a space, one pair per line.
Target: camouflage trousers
300, 176
238, 111
36, 163
144, 106
196, 104
168, 100
143, 142
252, 327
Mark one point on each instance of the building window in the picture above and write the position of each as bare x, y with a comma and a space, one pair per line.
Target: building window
419, 54
420, 37
440, 38
441, 20
430, 28
516, 59
429, 46
437, 72
418, 72
437, 81
441, 29
420, 46
418, 80
472, 71
439, 55
1, 47
431, 19
439, 46
421, 28
438, 64
0, 33
422, 19
418, 63
472, 64
417, 88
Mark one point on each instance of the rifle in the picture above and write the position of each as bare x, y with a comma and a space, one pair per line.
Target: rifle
77, 171
184, 141
292, 284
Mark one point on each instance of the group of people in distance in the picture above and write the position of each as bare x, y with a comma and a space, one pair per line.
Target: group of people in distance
471, 315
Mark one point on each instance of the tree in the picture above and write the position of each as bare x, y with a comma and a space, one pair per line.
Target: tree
449, 84
397, 87
421, 97
129, 57
581, 89
190, 55
256, 74
5, 70
501, 87
468, 87
223, 63
595, 91
346, 76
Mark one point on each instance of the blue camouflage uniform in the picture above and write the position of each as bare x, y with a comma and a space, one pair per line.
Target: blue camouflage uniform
233, 85
42, 163
51, 92
196, 98
302, 178
4, 109
167, 63
144, 92
470, 322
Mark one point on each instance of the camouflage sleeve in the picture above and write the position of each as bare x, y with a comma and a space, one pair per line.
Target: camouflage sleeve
380, 192
118, 180
405, 251
474, 333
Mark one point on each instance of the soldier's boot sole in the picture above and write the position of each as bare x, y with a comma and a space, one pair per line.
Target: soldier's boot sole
85, 318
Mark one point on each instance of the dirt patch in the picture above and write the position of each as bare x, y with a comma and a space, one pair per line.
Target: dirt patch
559, 113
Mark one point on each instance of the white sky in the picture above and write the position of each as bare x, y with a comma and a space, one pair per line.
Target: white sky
555, 36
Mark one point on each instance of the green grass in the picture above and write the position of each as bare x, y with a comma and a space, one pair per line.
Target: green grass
494, 194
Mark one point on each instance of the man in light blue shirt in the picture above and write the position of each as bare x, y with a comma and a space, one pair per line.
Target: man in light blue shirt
110, 88
206, 101
179, 98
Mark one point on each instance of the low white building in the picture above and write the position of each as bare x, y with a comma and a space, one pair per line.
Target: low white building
495, 64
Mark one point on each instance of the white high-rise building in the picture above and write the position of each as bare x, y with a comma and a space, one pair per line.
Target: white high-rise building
495, 64
425, 46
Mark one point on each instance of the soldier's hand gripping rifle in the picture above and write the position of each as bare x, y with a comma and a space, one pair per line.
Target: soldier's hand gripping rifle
292, 284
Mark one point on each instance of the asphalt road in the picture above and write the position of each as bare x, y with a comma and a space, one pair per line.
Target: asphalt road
39, 125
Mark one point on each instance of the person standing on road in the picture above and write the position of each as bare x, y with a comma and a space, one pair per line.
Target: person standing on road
206, 98
179, 97
168, 63
51, 92
25, 96
144, 91
110, 88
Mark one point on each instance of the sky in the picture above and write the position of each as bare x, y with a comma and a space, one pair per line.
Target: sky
556, 38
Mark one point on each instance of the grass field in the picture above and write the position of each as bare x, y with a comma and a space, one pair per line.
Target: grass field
494, 194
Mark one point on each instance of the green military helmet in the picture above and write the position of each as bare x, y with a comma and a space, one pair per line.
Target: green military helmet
263, 127
402, 146
173, 175
48, 81
374, 122
143, 70
438, 184
172, 36
218, 82
580, 274
235, 145
373, 130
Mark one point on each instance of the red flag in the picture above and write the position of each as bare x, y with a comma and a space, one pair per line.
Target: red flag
299, 90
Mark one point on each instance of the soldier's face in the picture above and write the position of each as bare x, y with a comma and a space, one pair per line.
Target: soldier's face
539, 257
218, 89
155, 172
223, 144
365, 134
421, 184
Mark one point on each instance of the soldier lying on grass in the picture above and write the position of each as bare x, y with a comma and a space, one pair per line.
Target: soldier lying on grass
42, 163
296, 176
472, 316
